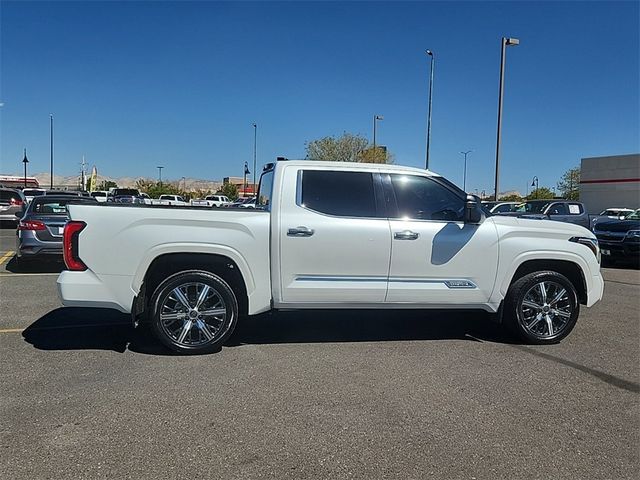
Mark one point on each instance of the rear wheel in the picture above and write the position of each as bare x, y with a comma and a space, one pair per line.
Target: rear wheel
193, 312
542, 307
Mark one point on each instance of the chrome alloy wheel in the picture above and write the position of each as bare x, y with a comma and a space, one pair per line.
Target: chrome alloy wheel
193, 314
546, 309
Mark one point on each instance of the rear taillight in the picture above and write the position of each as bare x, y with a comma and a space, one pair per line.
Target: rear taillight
33, 225
70, 249
16, 202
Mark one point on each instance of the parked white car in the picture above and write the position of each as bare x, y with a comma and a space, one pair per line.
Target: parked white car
100, 195
211, 201
171, 200
31, 193
329, 235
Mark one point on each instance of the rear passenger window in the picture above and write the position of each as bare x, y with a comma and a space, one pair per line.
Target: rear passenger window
558, 209
575, 209
344, 194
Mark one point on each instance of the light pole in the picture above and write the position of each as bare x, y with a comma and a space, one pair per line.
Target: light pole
534, 183
51, 149
505, 43
375, 123
246, 172
255, 144
464, 175
159, 175
430, 53
184, 184
25, 160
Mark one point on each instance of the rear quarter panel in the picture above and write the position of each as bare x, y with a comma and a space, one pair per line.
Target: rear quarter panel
121, 242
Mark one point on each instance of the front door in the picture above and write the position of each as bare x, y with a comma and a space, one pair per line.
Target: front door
334, 239
436, 258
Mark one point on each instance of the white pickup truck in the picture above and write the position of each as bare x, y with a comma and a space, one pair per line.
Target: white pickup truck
328, 235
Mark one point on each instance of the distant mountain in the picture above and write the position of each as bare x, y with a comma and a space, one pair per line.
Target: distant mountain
190, 184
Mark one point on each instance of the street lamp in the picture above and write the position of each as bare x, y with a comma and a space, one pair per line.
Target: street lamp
534, 183
159, 175
375, 122
255, 144
184, 184
25, 160
430, 53
51, 148
464, 175
246, 172
506, 42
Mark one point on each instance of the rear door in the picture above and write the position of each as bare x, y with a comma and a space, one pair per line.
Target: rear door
334, 237
437, 259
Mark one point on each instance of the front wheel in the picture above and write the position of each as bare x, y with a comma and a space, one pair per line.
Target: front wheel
542, 307
194, 312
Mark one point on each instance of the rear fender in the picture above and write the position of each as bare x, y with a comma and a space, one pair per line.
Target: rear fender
204, 248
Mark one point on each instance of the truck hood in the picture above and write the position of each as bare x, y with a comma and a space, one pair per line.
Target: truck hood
534, 225
618, 226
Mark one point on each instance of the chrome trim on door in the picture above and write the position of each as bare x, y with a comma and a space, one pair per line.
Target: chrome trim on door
300, 231
406, 235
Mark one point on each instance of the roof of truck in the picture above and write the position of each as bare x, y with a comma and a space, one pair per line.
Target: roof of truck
353, 165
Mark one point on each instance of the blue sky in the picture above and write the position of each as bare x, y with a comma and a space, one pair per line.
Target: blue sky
136, 85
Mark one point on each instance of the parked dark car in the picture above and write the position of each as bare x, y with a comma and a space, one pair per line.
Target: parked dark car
549, 209
11, 202
619, 239
40, 228
125, 195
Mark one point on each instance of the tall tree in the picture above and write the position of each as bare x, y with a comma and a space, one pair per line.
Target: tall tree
569, 184
346, 148
540, 194
229, 190
106, 185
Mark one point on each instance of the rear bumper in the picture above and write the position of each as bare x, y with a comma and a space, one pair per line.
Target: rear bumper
86, 289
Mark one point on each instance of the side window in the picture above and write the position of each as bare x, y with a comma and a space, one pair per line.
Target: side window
575, 209
558, 209
422, 198
180, 199
344, 194
502, 208
264, 190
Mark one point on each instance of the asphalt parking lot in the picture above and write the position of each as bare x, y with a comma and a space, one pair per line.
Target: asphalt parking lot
338, 394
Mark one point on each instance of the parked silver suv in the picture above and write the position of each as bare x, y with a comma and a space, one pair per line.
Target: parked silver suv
12, 202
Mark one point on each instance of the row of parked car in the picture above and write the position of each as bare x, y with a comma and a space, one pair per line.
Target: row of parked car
132, 195
617, 229
40, 214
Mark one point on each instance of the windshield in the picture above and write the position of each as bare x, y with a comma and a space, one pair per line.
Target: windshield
633, 216
46, 206
125, 191
532, 207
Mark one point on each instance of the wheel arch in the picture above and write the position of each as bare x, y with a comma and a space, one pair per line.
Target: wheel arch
167, 264
570, 269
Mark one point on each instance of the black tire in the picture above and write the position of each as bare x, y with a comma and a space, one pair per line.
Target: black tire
212, 330
546, 323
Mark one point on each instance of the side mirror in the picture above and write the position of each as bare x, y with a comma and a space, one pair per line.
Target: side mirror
19, 214
472, 210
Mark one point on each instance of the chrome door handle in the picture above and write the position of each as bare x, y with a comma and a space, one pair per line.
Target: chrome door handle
300, 232
406, 235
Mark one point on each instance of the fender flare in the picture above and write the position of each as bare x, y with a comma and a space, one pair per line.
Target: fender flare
193, 247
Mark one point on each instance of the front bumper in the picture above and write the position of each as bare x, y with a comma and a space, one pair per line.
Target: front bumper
619, 249
596, 290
